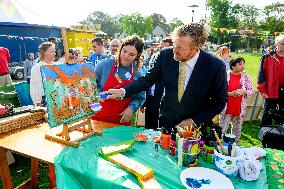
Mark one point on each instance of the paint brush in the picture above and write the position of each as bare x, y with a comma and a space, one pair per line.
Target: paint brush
219, 142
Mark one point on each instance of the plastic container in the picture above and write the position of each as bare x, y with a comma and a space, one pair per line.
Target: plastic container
227, 165
9, 98
207, 154
189, 152
8, 95
166, 140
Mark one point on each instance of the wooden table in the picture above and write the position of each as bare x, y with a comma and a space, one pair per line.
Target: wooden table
30, 141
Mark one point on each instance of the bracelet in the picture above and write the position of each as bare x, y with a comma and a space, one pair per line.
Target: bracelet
123, 95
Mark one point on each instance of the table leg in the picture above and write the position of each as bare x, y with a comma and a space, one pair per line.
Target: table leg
6, 177
52, 177
34, 167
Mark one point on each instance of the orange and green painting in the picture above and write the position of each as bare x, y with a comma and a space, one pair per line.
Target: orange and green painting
69, 91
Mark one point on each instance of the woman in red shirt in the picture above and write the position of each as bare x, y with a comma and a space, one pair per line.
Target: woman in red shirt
239, 89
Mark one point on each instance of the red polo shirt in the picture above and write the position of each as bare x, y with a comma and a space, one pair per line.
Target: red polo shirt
4, 59
234, 103
281, 70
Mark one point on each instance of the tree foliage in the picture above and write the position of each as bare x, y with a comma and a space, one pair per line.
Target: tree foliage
175, 22
222, 14
273, 17
136, 24
109, 24
160, 20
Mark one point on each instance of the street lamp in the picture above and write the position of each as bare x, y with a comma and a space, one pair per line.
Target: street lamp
192, 6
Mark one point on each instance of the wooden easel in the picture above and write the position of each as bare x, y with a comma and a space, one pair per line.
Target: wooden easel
74, 132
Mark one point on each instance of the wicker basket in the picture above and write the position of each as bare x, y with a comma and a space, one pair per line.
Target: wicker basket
21, 120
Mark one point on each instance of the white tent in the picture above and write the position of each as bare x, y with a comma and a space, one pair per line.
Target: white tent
12, 11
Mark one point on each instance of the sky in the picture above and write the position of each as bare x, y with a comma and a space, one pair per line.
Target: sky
70, 12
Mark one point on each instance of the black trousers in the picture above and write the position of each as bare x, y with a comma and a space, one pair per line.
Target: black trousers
269, 104
151, 114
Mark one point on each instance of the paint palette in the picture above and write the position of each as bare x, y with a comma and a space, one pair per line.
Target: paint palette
204, 178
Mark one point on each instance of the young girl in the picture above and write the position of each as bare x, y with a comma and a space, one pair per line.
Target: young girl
239, 89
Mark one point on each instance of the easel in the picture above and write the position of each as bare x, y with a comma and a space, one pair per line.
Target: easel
73, 132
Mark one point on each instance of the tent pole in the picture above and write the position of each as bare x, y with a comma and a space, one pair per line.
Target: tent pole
65, 42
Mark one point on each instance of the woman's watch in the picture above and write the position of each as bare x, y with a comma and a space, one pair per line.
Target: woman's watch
123, 95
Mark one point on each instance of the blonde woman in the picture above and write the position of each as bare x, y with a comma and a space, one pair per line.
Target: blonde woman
224, 54
46, 56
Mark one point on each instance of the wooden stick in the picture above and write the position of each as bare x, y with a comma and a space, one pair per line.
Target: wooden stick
219, 143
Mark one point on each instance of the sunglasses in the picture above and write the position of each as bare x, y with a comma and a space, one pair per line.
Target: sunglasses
114, 45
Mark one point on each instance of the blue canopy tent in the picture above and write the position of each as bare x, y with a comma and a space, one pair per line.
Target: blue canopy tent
20, 31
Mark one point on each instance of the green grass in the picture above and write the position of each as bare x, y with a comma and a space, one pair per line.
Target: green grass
249, 135
252, 64
21, 171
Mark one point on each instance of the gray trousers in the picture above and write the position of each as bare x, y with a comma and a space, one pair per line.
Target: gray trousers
5, 80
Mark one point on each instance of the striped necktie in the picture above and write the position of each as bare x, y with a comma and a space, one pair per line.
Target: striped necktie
181, 80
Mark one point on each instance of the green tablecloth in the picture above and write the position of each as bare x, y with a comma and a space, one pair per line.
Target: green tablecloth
275, 168
83, 168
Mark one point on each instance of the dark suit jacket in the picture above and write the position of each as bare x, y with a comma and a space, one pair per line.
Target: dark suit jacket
204, 97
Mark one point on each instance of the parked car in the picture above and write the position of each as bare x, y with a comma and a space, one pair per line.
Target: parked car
17, 72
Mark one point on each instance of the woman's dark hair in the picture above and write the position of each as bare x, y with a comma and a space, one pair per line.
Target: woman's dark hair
138, 43
234, 61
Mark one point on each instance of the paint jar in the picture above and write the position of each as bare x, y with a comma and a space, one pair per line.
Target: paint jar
188, 152
229, 138
165, 137
227, 165
207, 153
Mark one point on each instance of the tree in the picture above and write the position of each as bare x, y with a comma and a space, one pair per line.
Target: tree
159, 19
222, 14
175, 22
273, 18
136, 24
109, 25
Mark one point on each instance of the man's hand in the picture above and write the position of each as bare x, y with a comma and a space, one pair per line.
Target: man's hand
264, 95
126, 115
185, 123
115, 93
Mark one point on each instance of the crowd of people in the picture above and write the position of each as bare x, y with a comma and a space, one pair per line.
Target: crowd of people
176, 84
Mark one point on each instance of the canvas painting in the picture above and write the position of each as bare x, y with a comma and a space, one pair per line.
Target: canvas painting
70, 89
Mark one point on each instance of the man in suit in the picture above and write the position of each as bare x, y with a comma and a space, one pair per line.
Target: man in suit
195, 81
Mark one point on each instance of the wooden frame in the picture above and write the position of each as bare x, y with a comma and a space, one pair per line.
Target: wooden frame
73, 132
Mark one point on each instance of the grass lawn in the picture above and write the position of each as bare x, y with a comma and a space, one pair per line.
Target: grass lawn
252, 64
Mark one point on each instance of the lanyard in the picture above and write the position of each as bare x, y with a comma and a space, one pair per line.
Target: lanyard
116, 74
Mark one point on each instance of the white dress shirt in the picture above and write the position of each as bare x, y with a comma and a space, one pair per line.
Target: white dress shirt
36, 85
189, 68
